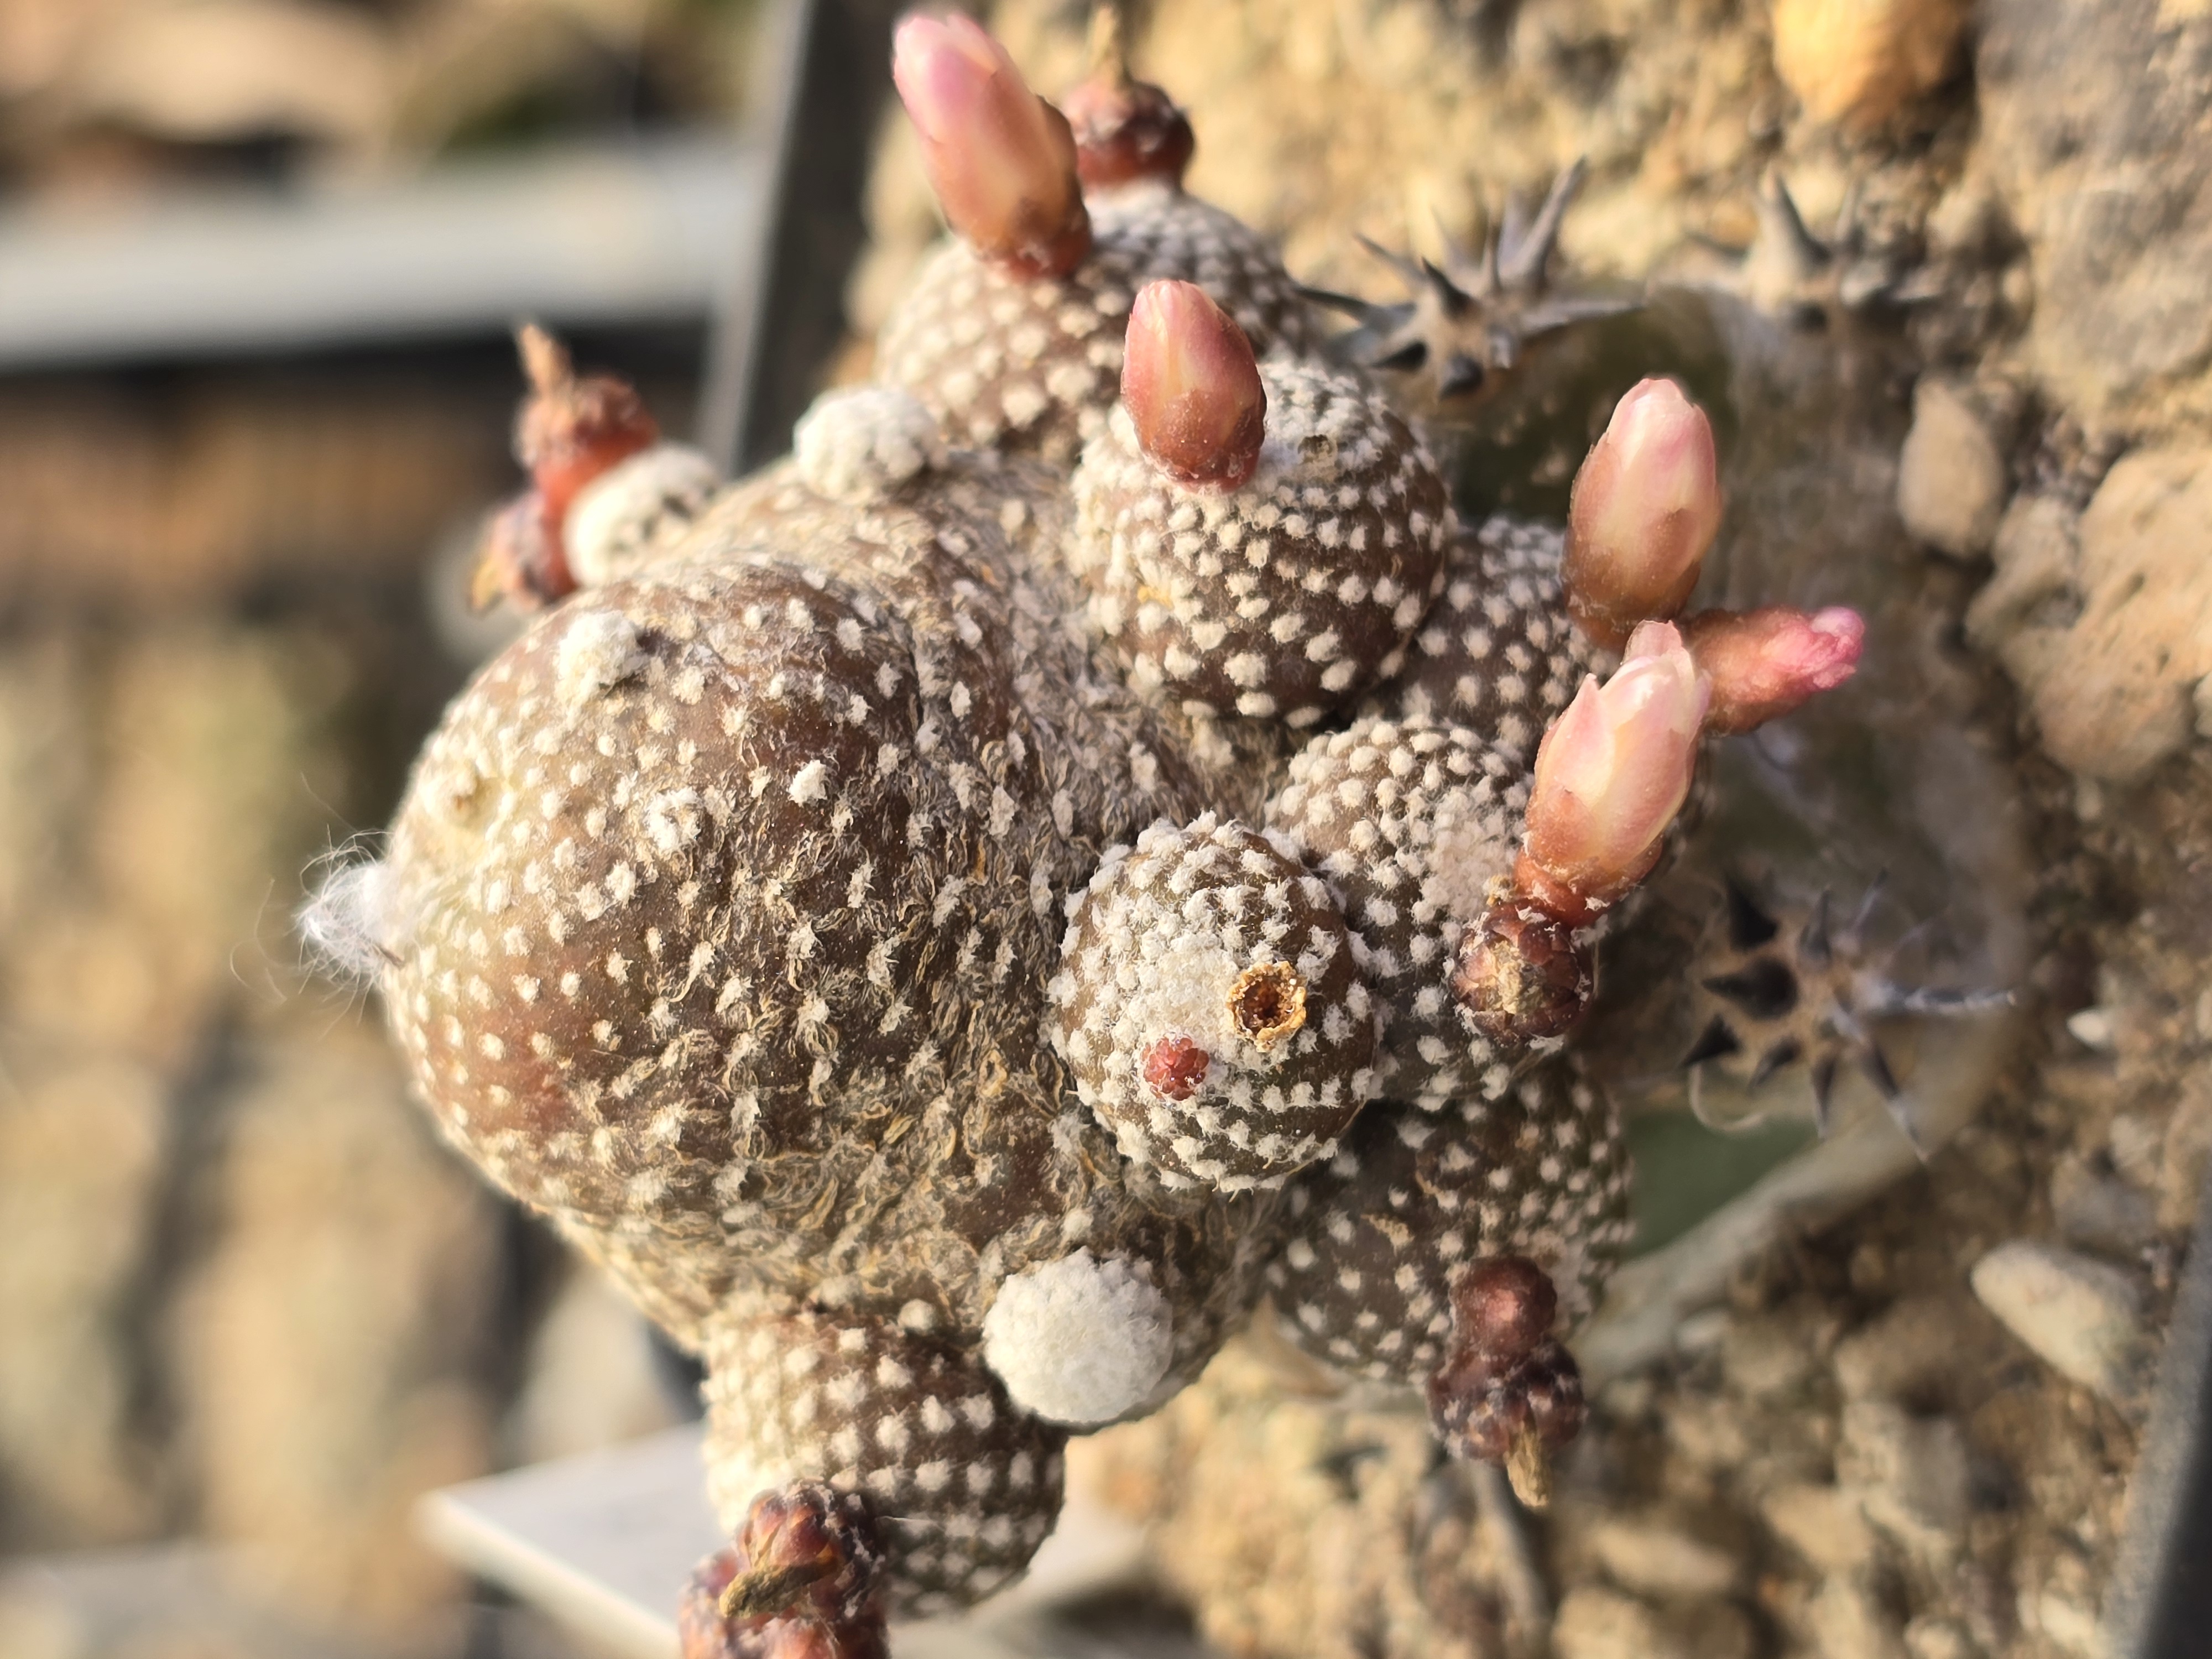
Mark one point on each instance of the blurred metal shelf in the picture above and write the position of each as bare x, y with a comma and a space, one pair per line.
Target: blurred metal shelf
611, 235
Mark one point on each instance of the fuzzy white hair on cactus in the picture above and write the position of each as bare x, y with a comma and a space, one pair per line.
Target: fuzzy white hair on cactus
615, 518
348, 923
1080, 1340
858, 443
599, 652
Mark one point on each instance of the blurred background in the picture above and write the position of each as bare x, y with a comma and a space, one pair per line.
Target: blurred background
258, 263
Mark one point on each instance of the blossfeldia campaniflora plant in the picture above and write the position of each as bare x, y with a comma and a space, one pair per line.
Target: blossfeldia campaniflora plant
953, 919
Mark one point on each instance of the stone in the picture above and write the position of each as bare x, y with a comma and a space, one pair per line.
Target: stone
2185, 1150
1910, 1475
1950, 477
2037, 552
1847, 1622
2067, 1623
2081, 1317
1906, 1350
1763, 1359
1823, 1524
2119, 694
1932, 1636
2101, 1211
1658, 1556
1854, 63
1595, 1623
2092, 117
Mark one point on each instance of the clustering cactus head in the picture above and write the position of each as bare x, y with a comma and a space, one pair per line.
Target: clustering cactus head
953, 919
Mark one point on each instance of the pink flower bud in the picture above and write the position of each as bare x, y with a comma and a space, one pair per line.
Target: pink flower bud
1193, 387
1646, 505
1611, 773
1000, 159
1764, 663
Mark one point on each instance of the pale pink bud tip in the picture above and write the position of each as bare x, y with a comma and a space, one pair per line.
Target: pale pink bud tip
1000, 159
1193, 387
1766, 662
1646, 506
1612, 772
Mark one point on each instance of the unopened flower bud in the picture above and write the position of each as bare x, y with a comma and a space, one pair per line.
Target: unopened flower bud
1000, 159
1646, 506
1125, 129
1192, 388
573, 428
1175, 1067
1764, 663
1611, 773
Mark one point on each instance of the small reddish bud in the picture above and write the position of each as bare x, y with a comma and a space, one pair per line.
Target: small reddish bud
1175, 1067
1192, 388
1646, 506
1764, 663
799, 1584
1522, 975
1125, 130
1503, 1306
1000, 159
1611, 773
573, 428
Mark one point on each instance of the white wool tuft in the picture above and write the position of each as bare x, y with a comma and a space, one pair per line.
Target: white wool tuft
348, 923
599, 651
615, 520
860, 442
1080, 1341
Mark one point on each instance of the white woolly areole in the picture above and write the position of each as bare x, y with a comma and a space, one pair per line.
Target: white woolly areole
617, 517
599, 651
860, 442
348, 922
1080, 1341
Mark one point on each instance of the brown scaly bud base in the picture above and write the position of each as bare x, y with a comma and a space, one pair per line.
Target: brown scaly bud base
1508, 1393
1522, 975
571, 430
801, 1582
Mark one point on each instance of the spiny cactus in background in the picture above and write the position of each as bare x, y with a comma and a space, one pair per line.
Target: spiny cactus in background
951, 919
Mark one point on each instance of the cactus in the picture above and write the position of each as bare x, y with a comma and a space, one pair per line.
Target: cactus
951, 920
